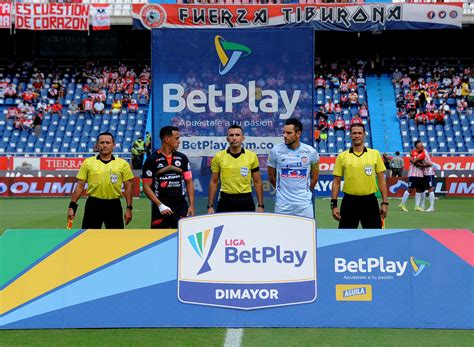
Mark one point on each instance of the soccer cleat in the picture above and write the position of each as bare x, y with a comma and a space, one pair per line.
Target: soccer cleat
403, 208
419, 209
431, 209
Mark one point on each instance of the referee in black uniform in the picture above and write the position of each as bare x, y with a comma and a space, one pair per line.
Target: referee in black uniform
360, 166
104, 175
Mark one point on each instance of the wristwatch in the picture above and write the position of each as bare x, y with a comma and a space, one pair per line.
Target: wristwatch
384, 203
262, 206
130, 207
209, 206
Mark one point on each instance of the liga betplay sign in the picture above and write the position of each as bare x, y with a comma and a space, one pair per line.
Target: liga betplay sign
270, 260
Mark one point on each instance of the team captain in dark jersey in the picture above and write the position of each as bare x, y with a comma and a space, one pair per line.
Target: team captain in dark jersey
166, 178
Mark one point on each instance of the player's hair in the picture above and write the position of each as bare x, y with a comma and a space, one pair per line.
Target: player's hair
106, 133
416, 143
296, 124
397, 153
167, 131
361, 125
235, 126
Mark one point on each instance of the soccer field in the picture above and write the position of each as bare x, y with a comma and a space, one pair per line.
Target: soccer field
51, 213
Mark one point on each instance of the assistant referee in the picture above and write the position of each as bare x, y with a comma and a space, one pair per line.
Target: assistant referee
360, 166
104, 175
235, 167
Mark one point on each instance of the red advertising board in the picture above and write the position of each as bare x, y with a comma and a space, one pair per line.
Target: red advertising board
5, 14
54, 16
449, 163
440, 163
4, 163
44, 186
51, 164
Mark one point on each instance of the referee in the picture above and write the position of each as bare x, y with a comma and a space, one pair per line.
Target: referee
104, 175
360, 166
235, 168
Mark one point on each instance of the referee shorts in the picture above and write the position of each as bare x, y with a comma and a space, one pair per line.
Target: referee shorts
100, 211
235, 203
364, 209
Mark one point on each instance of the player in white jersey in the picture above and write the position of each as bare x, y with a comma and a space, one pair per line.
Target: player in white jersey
428, 172
293, 169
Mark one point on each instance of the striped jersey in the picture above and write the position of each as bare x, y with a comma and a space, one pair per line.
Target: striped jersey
428, 171
415, 171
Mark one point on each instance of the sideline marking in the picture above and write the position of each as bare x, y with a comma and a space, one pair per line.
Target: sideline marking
233, 337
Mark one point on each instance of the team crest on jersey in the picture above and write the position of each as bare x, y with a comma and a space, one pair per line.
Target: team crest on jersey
113, 178
177, 163
304, 160
159, 166
149, 173
368, 170
244, 171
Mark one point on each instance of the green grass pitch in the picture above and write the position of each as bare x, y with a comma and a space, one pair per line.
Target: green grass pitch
38, 213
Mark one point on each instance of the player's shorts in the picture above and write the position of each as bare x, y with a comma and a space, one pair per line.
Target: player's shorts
160, 221
296, 210
430, 181
235, 203
416, 183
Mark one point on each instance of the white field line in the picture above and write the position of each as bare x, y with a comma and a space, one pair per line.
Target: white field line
233, 337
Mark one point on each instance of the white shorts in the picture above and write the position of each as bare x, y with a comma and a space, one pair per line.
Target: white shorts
296, 210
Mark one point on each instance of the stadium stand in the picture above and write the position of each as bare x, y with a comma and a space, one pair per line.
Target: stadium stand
44, 110
340, 99
435, 105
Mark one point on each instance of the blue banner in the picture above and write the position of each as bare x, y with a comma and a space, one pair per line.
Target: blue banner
206, 80
365, 278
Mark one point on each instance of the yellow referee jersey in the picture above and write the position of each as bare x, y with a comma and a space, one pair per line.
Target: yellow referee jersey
104, 180
235, 171
359, 170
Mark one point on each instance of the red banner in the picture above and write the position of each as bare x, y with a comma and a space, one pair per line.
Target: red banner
45, 186
4, 163
452, 163
5, 15
439, 163
51, 164
52, 16
352, 17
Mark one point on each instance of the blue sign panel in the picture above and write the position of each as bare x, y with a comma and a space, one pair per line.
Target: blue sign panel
206, 80
365, 278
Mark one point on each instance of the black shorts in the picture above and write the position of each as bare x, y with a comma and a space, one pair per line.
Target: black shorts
364, 209
100, 211
160, 221
429, 181
417, 183
235, 203
397, 172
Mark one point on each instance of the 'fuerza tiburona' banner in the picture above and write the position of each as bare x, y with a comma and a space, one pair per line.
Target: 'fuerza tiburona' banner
340, 17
